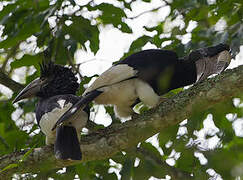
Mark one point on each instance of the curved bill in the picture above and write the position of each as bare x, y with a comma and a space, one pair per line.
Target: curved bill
30, 90
224, 58
212, 65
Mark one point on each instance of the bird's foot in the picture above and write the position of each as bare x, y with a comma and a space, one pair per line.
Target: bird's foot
162, 99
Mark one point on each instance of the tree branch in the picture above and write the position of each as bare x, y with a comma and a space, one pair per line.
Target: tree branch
107, 142
8, 82
151, 10
145, 12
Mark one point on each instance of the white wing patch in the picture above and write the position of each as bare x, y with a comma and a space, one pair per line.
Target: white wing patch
113, 75
61, 102
49, 119
122, 95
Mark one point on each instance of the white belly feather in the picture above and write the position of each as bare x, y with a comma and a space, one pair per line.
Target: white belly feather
122, 95
121, 88
113, 75
49, 119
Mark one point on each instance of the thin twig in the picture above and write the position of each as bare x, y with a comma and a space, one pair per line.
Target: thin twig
8, 82
11, 53
93, 59
74, 66
148, 11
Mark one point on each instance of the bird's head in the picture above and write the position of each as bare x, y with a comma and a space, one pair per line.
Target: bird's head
54, 80
219, 56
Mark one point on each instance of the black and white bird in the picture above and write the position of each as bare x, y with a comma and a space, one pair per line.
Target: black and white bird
56, 89
148, 74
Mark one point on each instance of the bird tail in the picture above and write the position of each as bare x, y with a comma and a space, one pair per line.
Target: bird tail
67, 143
200, 64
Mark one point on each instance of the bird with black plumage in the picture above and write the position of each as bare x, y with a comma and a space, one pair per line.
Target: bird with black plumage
55, 89
147, 75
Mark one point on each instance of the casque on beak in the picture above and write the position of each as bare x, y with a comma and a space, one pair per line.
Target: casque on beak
30, 90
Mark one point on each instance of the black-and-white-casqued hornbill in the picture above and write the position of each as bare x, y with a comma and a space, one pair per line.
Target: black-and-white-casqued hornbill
56, 89
147, 75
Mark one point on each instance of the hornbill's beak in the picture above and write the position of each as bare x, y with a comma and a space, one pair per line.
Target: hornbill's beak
30, 90
211, 60
222, 54
224, 59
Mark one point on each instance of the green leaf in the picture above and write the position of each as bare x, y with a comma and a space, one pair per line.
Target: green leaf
27, 60
81, 31
168, 134
125, 28
151, 148
113, 15
232, 155
60, 44
6, 10
126, 170
187, 161
25, 156
137, 45
18, 32
10, 166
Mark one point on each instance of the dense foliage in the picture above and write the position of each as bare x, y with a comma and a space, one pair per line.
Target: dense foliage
37, 30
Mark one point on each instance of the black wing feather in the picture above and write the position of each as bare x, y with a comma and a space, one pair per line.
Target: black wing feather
151, 65
48, 104
81, 104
